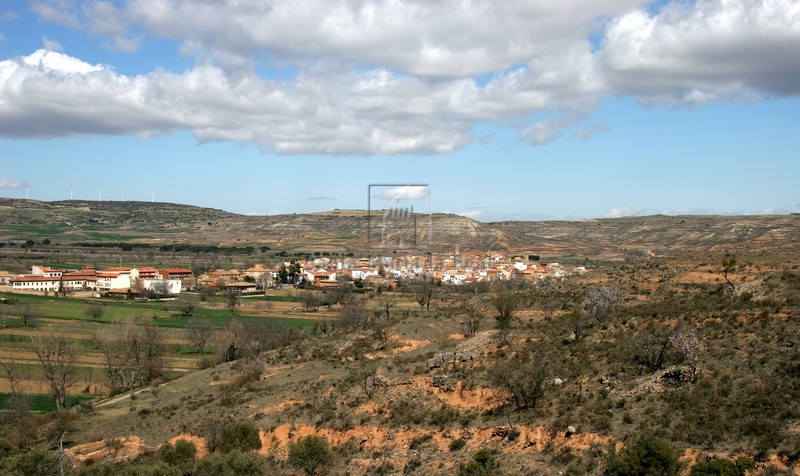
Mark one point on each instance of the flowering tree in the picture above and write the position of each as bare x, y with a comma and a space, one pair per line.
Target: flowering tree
687, 345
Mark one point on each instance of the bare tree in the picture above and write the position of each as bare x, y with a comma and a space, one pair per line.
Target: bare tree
386, 304
650, 345
578, 322
57, 356
728, 265
132, 354
382, 334
366, 377
184, 307
229, 342
94, 312
424, 294
353, 314
265, 280
158, 290
199, 331
524, 379
29, 315
505, 305
471, 319
62, 423
232, 299
153, 350
17, 404
311, 300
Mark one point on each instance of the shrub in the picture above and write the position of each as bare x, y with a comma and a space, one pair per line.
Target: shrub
33, 463
647, 456
309, 454
234, 463
180, 455
457, 444
126, 469
723, 467
241, 436
483, 463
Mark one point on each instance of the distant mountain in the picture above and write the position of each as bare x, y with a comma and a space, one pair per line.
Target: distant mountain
347, 230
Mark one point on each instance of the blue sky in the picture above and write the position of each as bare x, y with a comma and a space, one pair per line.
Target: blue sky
512, 110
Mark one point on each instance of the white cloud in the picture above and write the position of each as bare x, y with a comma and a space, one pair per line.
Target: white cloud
396, 76
625, 212
11, 184
61, 12
406, 192
473, 214
8, 16
51, 45
587, 133
691, 53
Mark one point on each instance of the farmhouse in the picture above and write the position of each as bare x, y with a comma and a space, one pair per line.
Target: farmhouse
36, 283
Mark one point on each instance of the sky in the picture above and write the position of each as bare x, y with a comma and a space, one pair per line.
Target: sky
529, 109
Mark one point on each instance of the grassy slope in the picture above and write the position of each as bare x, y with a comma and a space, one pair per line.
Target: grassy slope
743, 403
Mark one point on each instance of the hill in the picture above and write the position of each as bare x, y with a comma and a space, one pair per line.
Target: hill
347, 230
551, 377
711, 372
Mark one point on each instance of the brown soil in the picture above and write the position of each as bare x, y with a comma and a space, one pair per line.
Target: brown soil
376, 438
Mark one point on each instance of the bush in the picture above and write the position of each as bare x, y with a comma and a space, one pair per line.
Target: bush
457, 444
126, 469
241, 436
647, 456
483, 464
33, 463
310, 453
181, 454
234, 463
723, 467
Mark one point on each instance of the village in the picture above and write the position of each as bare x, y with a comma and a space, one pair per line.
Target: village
319, 272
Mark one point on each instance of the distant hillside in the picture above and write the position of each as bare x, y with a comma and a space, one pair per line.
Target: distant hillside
346, 230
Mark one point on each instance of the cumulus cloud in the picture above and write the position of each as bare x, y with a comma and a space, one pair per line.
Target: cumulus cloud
696, 52
11, 184
51, 45
396, 77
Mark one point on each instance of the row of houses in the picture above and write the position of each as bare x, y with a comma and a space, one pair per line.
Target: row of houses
455, 269
113, 280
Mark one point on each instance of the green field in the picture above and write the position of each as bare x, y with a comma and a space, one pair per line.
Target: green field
74, 309
44, 403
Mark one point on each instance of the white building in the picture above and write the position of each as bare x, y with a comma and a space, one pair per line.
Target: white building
173, 285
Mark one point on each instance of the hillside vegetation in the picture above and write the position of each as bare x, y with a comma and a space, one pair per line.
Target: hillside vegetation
554, 378
346, 230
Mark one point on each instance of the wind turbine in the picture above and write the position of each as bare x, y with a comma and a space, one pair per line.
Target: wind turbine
99, 194
122, 194
70, 193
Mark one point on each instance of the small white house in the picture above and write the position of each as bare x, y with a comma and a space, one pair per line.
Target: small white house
173, 285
